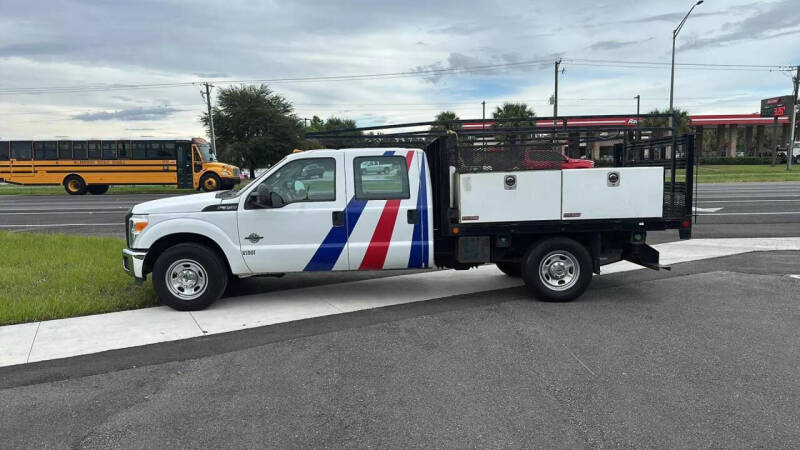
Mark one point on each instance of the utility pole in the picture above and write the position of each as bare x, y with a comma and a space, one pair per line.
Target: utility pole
555, 105
210, 116
638, 134
483, 123
555, 95
675, 32
790, 150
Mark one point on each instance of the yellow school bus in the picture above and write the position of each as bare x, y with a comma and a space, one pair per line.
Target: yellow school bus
92, 165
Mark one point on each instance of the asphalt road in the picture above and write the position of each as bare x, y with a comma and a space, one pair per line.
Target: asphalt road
703, 356
102, 215
725, 210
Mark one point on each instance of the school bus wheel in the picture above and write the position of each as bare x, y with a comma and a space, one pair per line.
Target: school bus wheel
74, 185
209, 182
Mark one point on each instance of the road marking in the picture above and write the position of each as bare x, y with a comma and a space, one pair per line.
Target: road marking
795, 276
697, 209
747, 201
786, 213
38, 225
55, 213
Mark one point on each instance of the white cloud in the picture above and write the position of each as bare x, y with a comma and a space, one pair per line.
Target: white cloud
66, 43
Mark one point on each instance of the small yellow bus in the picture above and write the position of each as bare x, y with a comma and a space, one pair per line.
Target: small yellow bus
92, 165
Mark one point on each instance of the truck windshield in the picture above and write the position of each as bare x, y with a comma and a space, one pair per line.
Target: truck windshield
205, 151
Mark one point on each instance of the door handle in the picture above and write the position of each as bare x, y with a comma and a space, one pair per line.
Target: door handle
413, 216
338, 218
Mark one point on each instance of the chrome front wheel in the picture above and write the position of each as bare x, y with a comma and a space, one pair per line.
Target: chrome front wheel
186, 279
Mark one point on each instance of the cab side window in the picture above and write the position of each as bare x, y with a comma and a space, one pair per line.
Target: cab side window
303, 180
381, 178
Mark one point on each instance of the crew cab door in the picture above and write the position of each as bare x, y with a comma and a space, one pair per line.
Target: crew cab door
390, 230
302, 226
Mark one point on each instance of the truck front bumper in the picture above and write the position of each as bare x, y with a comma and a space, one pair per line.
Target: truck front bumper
133, 264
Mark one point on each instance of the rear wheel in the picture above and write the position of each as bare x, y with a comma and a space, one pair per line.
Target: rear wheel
75, 185
189, 277
511, 269
797, 159
557, 269
209, 182
97, 189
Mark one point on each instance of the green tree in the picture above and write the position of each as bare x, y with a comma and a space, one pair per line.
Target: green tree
514, 111
445, 122
684, 124
317, 125
519, 111
254, 126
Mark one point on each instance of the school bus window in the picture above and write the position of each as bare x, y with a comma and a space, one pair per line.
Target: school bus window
44, 150
154, 150
3, 151
109, 150
138, 150
123, 149
94, 150
64, 150
79, 148
168, 150
21, 151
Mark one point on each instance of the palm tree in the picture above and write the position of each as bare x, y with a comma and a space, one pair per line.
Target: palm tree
519, 111
514, 111
682, 116
445, 121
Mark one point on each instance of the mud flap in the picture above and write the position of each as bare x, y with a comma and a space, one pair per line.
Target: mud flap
643, 255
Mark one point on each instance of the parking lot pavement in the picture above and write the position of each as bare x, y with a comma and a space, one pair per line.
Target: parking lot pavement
703, 356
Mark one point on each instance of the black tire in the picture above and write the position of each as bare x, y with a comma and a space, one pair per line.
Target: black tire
97, 189
511, 269
201, 265
210, 182
565, 256
797, 159
74, 185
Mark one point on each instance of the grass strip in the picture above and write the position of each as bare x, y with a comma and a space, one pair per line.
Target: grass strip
52, 276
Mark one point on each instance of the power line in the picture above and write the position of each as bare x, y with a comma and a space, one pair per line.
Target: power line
418, 73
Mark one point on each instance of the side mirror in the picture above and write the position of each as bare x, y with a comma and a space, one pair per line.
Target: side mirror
275, 200
263, 196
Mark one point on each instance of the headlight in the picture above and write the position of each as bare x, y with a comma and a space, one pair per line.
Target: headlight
136, 226
226, 173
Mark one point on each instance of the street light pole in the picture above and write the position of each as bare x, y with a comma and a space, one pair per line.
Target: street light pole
675, 36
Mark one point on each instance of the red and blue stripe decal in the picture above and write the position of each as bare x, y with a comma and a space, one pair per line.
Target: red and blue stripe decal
382, 236
335, 241
419, 238
331, 248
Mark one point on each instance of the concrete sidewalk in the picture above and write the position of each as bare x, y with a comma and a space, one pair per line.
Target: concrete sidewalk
40, 341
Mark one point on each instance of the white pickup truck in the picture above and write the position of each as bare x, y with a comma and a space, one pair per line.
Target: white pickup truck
552, 227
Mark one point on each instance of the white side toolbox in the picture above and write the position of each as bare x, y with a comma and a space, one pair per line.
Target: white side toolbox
486, 197
592, 193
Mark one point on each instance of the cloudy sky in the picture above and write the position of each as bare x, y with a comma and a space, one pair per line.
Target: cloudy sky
66, 66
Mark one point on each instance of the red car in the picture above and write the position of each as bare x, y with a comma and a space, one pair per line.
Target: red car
549, 159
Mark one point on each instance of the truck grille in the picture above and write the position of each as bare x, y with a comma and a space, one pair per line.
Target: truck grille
236, 172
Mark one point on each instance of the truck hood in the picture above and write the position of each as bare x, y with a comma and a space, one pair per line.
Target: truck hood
178, 204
